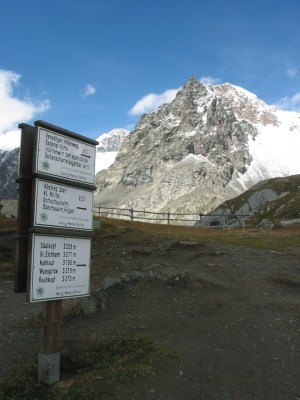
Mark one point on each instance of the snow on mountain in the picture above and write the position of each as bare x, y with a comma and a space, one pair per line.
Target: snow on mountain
245, 105
275, 148
191, 158
105, 160
108, 148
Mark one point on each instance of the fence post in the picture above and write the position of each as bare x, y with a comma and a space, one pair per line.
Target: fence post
99, 211
225, 218
131, 213
168, 217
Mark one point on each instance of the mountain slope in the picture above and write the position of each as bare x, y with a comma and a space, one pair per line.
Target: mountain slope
276, 199
208, 145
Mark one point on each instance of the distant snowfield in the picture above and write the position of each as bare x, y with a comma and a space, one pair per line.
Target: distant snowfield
278, 147
10, 140
275, 150
109, 144
104, 160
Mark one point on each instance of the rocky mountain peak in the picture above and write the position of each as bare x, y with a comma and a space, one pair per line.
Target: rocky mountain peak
193, 87
196, 143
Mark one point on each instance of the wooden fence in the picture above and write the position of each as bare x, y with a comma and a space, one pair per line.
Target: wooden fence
215, 220
168, 217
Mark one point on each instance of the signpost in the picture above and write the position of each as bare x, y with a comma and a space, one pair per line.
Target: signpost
62, 156
62, 206
60, 267
58, 180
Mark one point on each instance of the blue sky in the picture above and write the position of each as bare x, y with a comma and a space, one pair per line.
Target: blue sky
90, 65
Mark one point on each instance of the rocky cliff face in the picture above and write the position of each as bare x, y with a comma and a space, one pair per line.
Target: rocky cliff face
191, 154
9, 164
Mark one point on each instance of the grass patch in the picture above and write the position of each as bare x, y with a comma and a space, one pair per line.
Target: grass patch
7, 223
70, 308
20, 382
89, 368
7, 268
284, 239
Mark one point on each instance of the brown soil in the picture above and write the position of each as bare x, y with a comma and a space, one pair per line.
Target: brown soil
231, 313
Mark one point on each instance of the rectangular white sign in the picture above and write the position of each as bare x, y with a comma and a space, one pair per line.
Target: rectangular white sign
64, 157
60, 267
63, 206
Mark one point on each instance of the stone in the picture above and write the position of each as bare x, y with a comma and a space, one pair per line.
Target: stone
88, 306
108, 283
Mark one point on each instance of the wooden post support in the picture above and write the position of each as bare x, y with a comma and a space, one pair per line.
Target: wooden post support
24, 206
49, 356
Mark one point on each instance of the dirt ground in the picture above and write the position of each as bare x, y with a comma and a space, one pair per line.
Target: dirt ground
218, 306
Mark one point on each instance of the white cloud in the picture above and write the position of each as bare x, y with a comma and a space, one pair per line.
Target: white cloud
209, 80
290, 103
14, 110
291, 72
152, 101
89, 90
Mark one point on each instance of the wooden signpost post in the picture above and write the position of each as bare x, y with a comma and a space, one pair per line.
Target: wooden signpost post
56, 177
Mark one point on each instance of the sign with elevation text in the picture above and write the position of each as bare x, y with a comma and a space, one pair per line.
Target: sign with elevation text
62, 206
60, 267
61, 156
